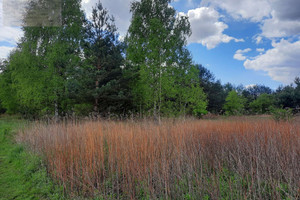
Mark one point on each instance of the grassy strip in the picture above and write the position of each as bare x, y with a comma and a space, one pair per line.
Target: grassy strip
22, 175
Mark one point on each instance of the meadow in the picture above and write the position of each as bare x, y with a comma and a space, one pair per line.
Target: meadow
230, 158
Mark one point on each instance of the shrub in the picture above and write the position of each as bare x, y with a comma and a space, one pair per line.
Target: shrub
262, 104
83, 109
280, 114
234, 104
2, 110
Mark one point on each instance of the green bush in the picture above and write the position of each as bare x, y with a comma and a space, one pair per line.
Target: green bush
2, 110
234, 104
262, 104
83, 109
280, 114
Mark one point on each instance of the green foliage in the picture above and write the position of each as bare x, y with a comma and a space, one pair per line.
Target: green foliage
83, 109
36, 77
27, 80
103, 75
289, 96
253, 92
286, 97
164, 79
8, 97
234, 104
196, 100
262, 104
65, 63
280, 114
22, 175
2, 110
213, 89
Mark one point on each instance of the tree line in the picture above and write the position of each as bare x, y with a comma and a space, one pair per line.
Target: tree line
82, 67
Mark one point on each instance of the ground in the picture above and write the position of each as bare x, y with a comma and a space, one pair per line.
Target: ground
22, 175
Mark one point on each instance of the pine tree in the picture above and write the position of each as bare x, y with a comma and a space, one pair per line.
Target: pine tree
104, 60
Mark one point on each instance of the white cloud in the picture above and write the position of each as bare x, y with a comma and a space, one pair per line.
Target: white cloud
239, 57
285, 20
250, 86
10, 34
281, 62
13, 11
4, 51
207, 29
258, 39
276, 27
260, 49
278, 18
254, 10
239, 54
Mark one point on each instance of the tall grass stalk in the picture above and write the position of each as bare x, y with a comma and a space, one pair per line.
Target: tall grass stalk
192, 159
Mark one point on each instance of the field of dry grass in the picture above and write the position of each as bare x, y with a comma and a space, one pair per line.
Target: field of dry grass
238, 158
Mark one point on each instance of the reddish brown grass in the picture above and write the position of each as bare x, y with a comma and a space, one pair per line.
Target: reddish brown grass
231, 159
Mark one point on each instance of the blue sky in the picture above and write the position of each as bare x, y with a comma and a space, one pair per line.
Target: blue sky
241, 41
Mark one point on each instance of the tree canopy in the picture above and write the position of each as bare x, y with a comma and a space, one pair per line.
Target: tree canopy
234, 104
165, 81
68, 64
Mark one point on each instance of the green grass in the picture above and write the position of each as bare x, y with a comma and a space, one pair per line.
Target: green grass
22, 175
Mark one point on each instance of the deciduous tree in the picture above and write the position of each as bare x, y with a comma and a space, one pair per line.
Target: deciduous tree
156, 51
262, 104
234, 104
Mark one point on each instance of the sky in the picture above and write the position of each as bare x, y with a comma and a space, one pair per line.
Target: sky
240, 41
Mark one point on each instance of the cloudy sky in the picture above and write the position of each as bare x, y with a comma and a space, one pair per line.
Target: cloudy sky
241, 41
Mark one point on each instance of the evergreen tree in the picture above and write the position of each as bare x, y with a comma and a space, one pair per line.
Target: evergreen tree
297, 94
104, 61
228, 87
285, 97
252, 93
213, 89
